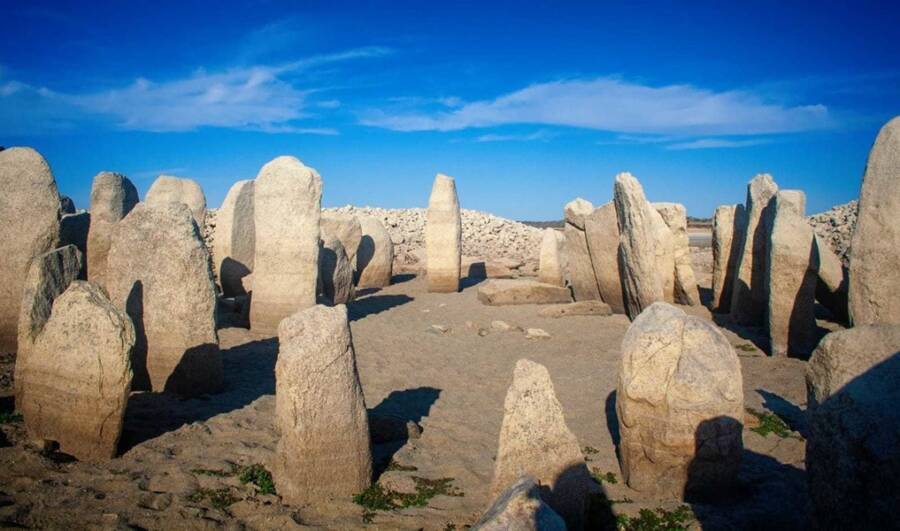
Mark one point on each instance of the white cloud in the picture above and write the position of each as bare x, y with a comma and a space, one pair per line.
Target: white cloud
611, 104
710, 143
537, 135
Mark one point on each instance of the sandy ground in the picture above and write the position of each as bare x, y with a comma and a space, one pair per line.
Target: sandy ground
452, 384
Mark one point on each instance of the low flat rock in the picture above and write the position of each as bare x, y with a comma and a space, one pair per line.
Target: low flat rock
504, 292
576, 308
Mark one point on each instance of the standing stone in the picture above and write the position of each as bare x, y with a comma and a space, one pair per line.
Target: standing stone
66, 205
168, 189
29, 227
832, 284
579, 268
729, 223
552, 267
679, 403
852, 462
576, 211
335, 271
320, 410
73, 230
79, 375
48, 277
375, 256
287, 206
113, 196
347, 229
234, 246
443, 234
535, 441
520, 508
602, 231
749, 297
160, 275
793, 263
875, 247
675, 217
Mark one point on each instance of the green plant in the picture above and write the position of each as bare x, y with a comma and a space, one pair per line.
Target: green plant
377, 498
393, 465
8, 417
589, 451
218, 498
259, 476
601, 478
216, 473
746, 347
656, 520
771, 423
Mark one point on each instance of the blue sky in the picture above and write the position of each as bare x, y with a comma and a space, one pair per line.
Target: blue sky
526, 104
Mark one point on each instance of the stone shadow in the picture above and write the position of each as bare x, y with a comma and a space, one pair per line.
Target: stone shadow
793, 415
134, 307
364, 254
388, 422
375, 304
401, 278
753, 334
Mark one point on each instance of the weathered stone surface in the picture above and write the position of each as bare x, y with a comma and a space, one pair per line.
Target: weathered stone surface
29, 227
375, 255
73, 230
48, 277
552, 260
832, 283
576, 210
576, 308
749, 297
520, 508
169, 189
729, 224
79, 375
852, 462
113, 196
679, 402
235, 244
160, 274
443, 233
324, 448
287, 206
503, 292
875, 247
675, 217
335, 271
535, 441
345, 228
579, 269
602, 231
792, 270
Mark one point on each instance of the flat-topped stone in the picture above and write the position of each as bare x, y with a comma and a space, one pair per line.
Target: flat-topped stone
503, 292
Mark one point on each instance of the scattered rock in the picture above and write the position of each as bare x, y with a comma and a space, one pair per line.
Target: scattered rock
835, 227
536, 333
438, 329
503, 292
500, 326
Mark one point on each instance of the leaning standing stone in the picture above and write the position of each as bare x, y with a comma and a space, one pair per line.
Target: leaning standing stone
675, 217
335, 271
875, 247
287, 206
375, 256
168, 189
112, 198
679, 402
160, 275
443, 233
535, 441
235, 243
29, 227
324, 448
551, 267
749, 297
579, 268
602, 231
78, 399
728, 232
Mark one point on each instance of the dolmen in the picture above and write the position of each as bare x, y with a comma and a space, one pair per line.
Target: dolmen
443, 237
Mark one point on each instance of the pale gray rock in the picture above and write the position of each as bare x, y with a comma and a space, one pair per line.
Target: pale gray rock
576, 210
345, 228
729, 224
168, 189
443, 237
335, 271
749, 296
234, 246
579, 268
520, 508
602, 231
675, 217
833, 281
113, 196
552, 260
375, 255
504, 292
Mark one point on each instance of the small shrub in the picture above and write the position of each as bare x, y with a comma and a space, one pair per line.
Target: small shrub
771, 423
218, 498
658, 520
601, 478
377, 498
589, 451
259, 476
8, 417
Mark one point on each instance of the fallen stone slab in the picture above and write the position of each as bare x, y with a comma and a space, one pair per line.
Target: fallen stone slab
576, 308
504, 292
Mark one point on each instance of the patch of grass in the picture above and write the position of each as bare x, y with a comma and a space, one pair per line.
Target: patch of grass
377, 498
601, 478
395, 466
368, 516
8, 417
771, 423
746, 347
218, 498
658, 520
259, 476
216, 473
589, 451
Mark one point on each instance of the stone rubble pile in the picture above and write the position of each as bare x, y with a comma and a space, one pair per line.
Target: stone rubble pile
836, 226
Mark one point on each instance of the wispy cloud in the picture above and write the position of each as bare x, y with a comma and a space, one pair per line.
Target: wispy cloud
611, 104
716, 143
537, 135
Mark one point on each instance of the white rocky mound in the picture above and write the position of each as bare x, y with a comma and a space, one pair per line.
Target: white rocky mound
836, 227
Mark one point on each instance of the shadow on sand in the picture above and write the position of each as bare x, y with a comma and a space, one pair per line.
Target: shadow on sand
374, 304
388, 420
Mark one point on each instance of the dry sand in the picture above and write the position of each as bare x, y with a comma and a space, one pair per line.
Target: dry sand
453, 384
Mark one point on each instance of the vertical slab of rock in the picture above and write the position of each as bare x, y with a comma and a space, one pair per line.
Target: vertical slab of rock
347, 229
602, 230
520, 507
551, 269
324, 449
535, 441
375, 255
335, 272
48, 277
169, 189
66, 205
793, 264
833, 282
73, 230
852, 462
287, 207
679, 402
579, 269
576, 211
729, 223
443, 237
112, 198
675, 217
79, 375
235, 243
160, 274
875, 247
29, 227
749, 297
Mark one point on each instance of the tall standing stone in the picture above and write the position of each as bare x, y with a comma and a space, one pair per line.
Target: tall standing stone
535, 441
375, 256
793, 264
552, 266
160, 274
324, 449
73, 230
235, 243
749, 296
729, 223
287, 207
168, 189
443, 237
79, 375
335, 271
579, 268
679, 403
675, 217
29, 227
602, 230
875, 247
113, 196
345, 228
832, 284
